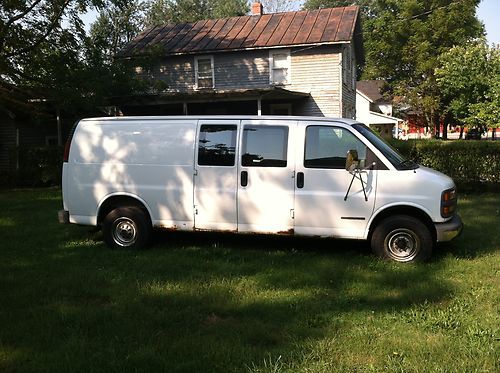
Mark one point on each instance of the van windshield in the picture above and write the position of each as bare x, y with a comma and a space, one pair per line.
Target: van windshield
397, 160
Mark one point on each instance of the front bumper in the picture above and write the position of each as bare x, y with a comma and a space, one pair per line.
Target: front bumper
449, 230
63, 216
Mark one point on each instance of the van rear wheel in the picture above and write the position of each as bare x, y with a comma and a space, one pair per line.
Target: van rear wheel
403, 239
126, 228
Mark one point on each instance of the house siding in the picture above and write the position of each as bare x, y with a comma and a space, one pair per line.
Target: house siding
316, 71
349, 82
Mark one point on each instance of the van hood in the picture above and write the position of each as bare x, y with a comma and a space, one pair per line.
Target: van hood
435, 177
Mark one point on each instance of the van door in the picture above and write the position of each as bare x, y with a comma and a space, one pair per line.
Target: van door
216, 175
266, 176
325, 205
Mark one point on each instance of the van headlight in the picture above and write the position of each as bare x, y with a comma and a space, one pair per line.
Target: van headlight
448, 202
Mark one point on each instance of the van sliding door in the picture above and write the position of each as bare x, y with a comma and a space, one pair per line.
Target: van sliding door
216, 176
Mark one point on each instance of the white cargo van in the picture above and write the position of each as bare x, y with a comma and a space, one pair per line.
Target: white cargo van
278, 175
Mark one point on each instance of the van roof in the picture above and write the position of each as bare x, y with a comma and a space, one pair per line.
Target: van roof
224, 117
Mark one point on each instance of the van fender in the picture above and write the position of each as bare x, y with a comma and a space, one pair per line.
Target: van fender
399, 208
124, 194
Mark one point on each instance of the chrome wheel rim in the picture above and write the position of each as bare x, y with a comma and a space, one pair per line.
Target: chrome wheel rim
124, 232
402, 244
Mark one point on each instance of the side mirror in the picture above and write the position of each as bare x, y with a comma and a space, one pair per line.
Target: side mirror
352, 160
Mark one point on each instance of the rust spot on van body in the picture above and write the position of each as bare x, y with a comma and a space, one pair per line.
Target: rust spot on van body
288, 232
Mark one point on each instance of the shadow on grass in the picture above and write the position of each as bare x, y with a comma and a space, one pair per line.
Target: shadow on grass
193, 302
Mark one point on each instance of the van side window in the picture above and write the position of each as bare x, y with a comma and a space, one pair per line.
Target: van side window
327, 147
264, 146
216, 145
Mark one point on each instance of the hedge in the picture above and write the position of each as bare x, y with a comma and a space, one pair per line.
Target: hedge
471, 164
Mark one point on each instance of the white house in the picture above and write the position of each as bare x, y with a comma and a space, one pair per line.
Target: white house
375, 110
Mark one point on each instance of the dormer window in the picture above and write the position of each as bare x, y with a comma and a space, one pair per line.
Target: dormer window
279, 67
204, 72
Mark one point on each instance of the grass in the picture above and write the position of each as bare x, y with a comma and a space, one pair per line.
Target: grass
222, 303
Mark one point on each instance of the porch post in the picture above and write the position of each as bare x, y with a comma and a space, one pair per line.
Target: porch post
259, 106
185, 108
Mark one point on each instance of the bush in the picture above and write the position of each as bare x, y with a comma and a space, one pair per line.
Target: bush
36, 166
471, 164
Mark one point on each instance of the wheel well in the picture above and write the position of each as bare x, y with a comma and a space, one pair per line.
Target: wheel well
119, 201
404, 210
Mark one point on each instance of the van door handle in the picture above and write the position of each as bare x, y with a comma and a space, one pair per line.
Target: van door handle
244, 178
300, 180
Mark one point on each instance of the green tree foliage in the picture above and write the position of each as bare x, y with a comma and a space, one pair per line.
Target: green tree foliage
177, 11
116, 25
468, 78
404, 38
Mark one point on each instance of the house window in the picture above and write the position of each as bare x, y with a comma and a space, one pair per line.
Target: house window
204, 72
279, 67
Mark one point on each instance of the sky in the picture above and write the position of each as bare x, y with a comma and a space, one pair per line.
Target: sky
488, 12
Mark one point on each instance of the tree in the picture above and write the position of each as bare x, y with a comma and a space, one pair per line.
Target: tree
276, 6
116, 25
403, 40
468, 78
177, 11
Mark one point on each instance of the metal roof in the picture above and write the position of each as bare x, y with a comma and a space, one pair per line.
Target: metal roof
306, 27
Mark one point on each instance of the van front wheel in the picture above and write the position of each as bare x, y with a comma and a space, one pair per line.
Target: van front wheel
403, 239
126, 228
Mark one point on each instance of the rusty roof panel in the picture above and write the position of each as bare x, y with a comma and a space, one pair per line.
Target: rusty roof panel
332, 26
281, 29
294, 28
181, 30
319, 28
270, 30
233, 33
257, 31
243, 34
307, 26
198, 26
347, 23
209, 37
220, 36
138, 43
205, 29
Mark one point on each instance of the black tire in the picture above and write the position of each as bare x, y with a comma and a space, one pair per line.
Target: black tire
127, 228
403, 239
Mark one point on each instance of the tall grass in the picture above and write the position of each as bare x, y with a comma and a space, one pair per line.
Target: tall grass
225, 303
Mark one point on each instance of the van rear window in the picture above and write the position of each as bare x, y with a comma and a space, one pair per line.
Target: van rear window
216, 145
264, 146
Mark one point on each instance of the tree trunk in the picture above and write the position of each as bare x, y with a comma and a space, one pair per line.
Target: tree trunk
461, 132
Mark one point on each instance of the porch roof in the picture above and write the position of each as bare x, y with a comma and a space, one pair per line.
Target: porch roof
210, 95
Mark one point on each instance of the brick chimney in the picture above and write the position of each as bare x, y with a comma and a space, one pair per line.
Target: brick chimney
257, 9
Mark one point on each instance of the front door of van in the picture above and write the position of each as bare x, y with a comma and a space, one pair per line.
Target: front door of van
216, 175
326, 203
266, 176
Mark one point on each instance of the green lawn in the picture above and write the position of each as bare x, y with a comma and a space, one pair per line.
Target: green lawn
218, 303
